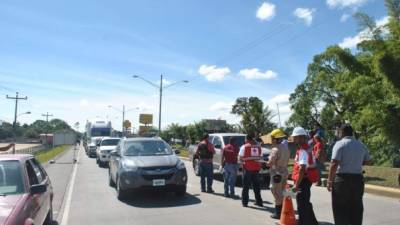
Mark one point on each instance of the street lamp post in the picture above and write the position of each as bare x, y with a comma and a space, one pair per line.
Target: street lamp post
161, 87
123, 111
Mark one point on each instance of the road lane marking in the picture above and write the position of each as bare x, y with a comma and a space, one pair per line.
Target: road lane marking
64, 220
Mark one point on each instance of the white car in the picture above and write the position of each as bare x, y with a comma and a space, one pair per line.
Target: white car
107, 145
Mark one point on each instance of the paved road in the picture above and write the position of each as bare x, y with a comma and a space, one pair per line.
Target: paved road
92, 201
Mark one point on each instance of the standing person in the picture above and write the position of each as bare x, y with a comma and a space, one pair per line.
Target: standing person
229, 161
345, 178
304, 174
250, 154
278, 162
320, 156
205, 151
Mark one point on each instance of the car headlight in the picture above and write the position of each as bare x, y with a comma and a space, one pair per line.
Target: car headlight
129, 165
180, 165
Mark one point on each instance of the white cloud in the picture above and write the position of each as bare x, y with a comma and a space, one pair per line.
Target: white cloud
266, 11
305, 14
351, 42
280, 99
83, 102
344, 18
255, 73
345, 3
213, 73
221, 106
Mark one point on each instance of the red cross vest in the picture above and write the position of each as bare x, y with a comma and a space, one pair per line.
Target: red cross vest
311, 171
251, 150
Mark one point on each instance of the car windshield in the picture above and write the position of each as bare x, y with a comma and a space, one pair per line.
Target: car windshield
110, 142
98, 132
239, 140
11, 181
147, 148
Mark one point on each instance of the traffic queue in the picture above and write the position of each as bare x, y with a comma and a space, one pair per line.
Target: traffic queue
345, 179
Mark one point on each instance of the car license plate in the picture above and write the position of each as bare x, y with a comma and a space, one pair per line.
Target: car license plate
159, 182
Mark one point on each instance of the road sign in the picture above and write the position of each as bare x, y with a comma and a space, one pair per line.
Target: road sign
146, 118
127, 124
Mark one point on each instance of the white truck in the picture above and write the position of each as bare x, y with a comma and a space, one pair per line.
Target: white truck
220, 140
95, 130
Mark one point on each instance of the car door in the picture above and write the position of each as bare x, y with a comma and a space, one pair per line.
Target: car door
48, 195
114, 161
43, 199
217, 142
33, 203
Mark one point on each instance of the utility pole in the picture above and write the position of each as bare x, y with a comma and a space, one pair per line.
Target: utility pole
123, 120
16, 98
279, 115
159, 109
47, 115
161, 87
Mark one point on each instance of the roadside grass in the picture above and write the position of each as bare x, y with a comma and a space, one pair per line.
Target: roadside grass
46, 155
375, 175
183, 151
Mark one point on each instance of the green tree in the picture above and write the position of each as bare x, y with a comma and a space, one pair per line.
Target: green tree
256, 119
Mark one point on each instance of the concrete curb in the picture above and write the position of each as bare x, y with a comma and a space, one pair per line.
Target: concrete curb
382, 191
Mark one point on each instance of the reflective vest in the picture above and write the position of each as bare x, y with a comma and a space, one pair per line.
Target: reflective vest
311, 171
251, 150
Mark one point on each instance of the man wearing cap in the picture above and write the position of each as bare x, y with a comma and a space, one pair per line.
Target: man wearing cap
345, 178
250, 154
278, 162
304, 173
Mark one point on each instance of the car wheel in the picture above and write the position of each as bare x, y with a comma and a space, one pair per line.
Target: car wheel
49, 217
110, 180
180, 191
121, 194
196, 167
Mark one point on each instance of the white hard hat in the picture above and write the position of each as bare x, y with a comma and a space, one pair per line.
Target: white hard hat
299, 131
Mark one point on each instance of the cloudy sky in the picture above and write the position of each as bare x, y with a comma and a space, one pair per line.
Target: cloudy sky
73, 59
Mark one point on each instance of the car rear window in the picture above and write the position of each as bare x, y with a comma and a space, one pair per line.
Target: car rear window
110, 142
11, 181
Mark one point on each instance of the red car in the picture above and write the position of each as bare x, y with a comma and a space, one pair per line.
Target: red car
26, 193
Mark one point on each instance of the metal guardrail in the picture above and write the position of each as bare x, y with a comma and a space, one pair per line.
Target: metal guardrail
30, 150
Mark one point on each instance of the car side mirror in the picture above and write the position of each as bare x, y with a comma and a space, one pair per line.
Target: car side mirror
177, 152
98, 145
38, 189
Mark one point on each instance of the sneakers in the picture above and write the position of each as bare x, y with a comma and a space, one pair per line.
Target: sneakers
278, 211
211, 191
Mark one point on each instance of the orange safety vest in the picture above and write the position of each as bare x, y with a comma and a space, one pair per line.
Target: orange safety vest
249, 151
311, 171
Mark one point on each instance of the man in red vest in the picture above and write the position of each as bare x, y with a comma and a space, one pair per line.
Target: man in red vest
304, 174
205, 151
249, 155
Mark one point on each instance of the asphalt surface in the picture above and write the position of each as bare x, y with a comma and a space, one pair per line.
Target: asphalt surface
89, 200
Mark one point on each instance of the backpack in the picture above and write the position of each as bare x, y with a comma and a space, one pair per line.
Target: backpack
204, 152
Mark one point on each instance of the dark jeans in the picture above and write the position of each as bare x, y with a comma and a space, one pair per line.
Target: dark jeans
347, 203
304, 206
251, 178
206, 172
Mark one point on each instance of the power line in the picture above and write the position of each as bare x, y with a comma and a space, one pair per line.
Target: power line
280, 28
290, 40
